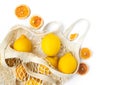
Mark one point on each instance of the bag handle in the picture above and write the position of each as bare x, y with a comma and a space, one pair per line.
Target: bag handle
80, 22
53, 27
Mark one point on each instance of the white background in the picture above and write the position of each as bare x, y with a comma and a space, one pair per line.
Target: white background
103, 38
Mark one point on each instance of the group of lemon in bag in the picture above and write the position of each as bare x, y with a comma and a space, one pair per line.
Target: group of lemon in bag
51, 45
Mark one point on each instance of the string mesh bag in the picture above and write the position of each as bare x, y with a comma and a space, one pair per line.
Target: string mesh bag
31, 68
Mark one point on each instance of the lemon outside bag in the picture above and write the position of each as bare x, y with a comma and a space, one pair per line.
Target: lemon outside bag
35, 59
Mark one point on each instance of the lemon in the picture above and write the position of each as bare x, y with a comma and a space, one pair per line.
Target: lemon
23, 44
51, 44
53, 60
67, 63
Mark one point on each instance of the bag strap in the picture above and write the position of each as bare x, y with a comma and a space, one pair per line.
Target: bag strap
78, 22
53, 27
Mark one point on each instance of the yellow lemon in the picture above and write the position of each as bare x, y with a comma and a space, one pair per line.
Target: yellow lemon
51, 44
67, 63
53, 60
23, 44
